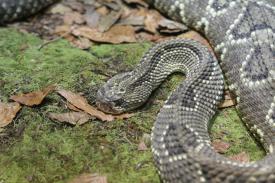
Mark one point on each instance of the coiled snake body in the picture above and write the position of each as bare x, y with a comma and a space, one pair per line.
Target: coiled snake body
242, 34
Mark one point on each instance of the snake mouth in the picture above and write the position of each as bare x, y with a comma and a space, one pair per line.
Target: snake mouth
107, 108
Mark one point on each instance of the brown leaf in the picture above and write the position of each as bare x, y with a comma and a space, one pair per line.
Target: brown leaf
77, 6
227, 103
61, 9
8, 112
102, 10
197, 37
133, 17
140, 2
220, 146
82, 43
117, 34
33, 98
106, 22
73, 17
123, 116
142, 146
90, 178
169, 26
152, 20
229, 100
81, 103
241, 157
74, 118
92, 17
72, 107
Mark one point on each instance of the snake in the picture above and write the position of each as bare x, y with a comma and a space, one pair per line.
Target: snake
242, 35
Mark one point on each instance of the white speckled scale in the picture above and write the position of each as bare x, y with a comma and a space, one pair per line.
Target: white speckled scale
11, 10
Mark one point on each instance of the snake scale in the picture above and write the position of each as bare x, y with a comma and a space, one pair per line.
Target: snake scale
242, 35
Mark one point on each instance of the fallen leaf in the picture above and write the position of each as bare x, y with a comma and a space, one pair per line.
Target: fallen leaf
106, 22
102, 10
227, 103
133, 17
73, 17
77, 6
72, 107
61, 9
241, 157
114, 5
8, 112
116, 34
123, 116
197, 37
81, 103
90, 178
92, 17
140, 2
220, 146
132, 20
33, 98
142, 146
82, 43
74, 118
152, 20
169, 26
229, 100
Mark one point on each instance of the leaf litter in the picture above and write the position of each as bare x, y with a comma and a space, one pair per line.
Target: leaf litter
8, 112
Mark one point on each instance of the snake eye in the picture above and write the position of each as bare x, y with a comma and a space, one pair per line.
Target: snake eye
122, 90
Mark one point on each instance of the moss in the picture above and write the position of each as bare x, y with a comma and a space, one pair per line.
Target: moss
228, 128
46, 151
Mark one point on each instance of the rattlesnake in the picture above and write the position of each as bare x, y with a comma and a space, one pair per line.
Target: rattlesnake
242, 35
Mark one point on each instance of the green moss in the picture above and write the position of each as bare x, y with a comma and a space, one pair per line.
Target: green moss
46, 151
228, 128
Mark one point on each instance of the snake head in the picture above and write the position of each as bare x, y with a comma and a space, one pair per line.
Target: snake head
113, 96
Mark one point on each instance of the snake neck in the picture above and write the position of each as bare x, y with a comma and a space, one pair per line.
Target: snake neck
163, 60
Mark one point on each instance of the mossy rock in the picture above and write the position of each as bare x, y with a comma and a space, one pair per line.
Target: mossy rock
35, 149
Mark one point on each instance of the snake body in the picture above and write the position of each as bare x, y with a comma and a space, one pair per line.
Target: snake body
11, 10
242, 35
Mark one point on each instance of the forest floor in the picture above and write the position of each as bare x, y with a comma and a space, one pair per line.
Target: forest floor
35, 148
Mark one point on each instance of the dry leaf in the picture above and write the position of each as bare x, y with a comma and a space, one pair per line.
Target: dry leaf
227, 103
74, 118
241, 157
169, 26
73, 17
140, 2
61, 9
62, 29
123, 116
82, 43
197, 37
33, 98
102, 10
81, 103
106, 22
133, 17
8, 112
90, 178
77, 6
229, 100
117, 34
220, 146
72, 107
92, 17
142, 146
152, 20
